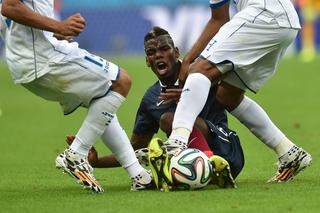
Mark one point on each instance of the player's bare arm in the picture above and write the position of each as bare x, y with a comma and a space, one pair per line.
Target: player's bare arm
102, 162
18, 12
138, 141
219, 16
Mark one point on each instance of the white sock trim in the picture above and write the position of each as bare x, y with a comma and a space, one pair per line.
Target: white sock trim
283, 147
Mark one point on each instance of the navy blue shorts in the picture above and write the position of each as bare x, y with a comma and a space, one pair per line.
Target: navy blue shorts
226, 143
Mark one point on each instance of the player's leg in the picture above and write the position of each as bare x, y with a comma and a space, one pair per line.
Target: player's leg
206, 69
254, 75
251, 115
225, 144
74, 159
166, 120
89, 80
258, 122
100, 113
159, 160
221, 170
198, 136
112, 133
116, 139
198, 139
195, 90
252, 67
118, 142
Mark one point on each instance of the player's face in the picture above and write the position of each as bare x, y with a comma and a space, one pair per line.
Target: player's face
162, 57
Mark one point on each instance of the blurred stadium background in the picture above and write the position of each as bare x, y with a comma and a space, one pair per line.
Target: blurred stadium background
117, 27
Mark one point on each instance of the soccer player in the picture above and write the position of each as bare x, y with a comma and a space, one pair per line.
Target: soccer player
210, 134
58, 70
243, 53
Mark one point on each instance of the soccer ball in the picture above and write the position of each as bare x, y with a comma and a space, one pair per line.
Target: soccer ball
190, 169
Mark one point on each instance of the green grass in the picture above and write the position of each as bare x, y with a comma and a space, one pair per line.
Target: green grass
32, 134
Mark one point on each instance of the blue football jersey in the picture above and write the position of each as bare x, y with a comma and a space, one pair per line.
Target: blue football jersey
151, 109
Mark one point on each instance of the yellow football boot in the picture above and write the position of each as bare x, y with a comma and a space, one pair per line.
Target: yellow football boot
159, 164
221, 172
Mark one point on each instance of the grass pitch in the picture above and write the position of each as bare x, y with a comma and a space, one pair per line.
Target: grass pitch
32, 134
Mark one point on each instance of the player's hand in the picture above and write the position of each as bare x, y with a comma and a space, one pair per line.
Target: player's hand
184, 71
72, 26
69, 139
93, 157
62, 37
170, 96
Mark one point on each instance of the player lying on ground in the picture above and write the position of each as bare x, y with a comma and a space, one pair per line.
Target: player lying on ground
60, 71
243, 53
210, 134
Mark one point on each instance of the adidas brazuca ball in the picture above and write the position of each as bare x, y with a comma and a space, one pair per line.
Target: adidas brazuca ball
190, 169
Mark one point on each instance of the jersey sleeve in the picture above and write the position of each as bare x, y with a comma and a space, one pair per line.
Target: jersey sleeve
144, 122
218, 3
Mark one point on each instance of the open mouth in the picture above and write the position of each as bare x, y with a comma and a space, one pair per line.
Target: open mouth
161, 66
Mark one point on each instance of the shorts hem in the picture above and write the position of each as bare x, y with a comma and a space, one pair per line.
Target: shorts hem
71, 111
217, 64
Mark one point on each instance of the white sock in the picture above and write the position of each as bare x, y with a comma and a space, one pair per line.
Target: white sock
258, 122
283, 147
180, 134
144, 177
192, 100
100, 113
116, 139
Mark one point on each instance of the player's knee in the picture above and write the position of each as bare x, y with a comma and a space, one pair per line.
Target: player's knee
166, 122
123, 84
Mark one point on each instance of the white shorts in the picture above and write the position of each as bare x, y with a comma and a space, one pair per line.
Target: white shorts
76, 81
247, 53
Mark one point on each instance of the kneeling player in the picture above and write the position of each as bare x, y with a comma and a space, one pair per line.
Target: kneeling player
211, 134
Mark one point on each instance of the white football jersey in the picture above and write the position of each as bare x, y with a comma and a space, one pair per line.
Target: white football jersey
30, 51
280, 10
